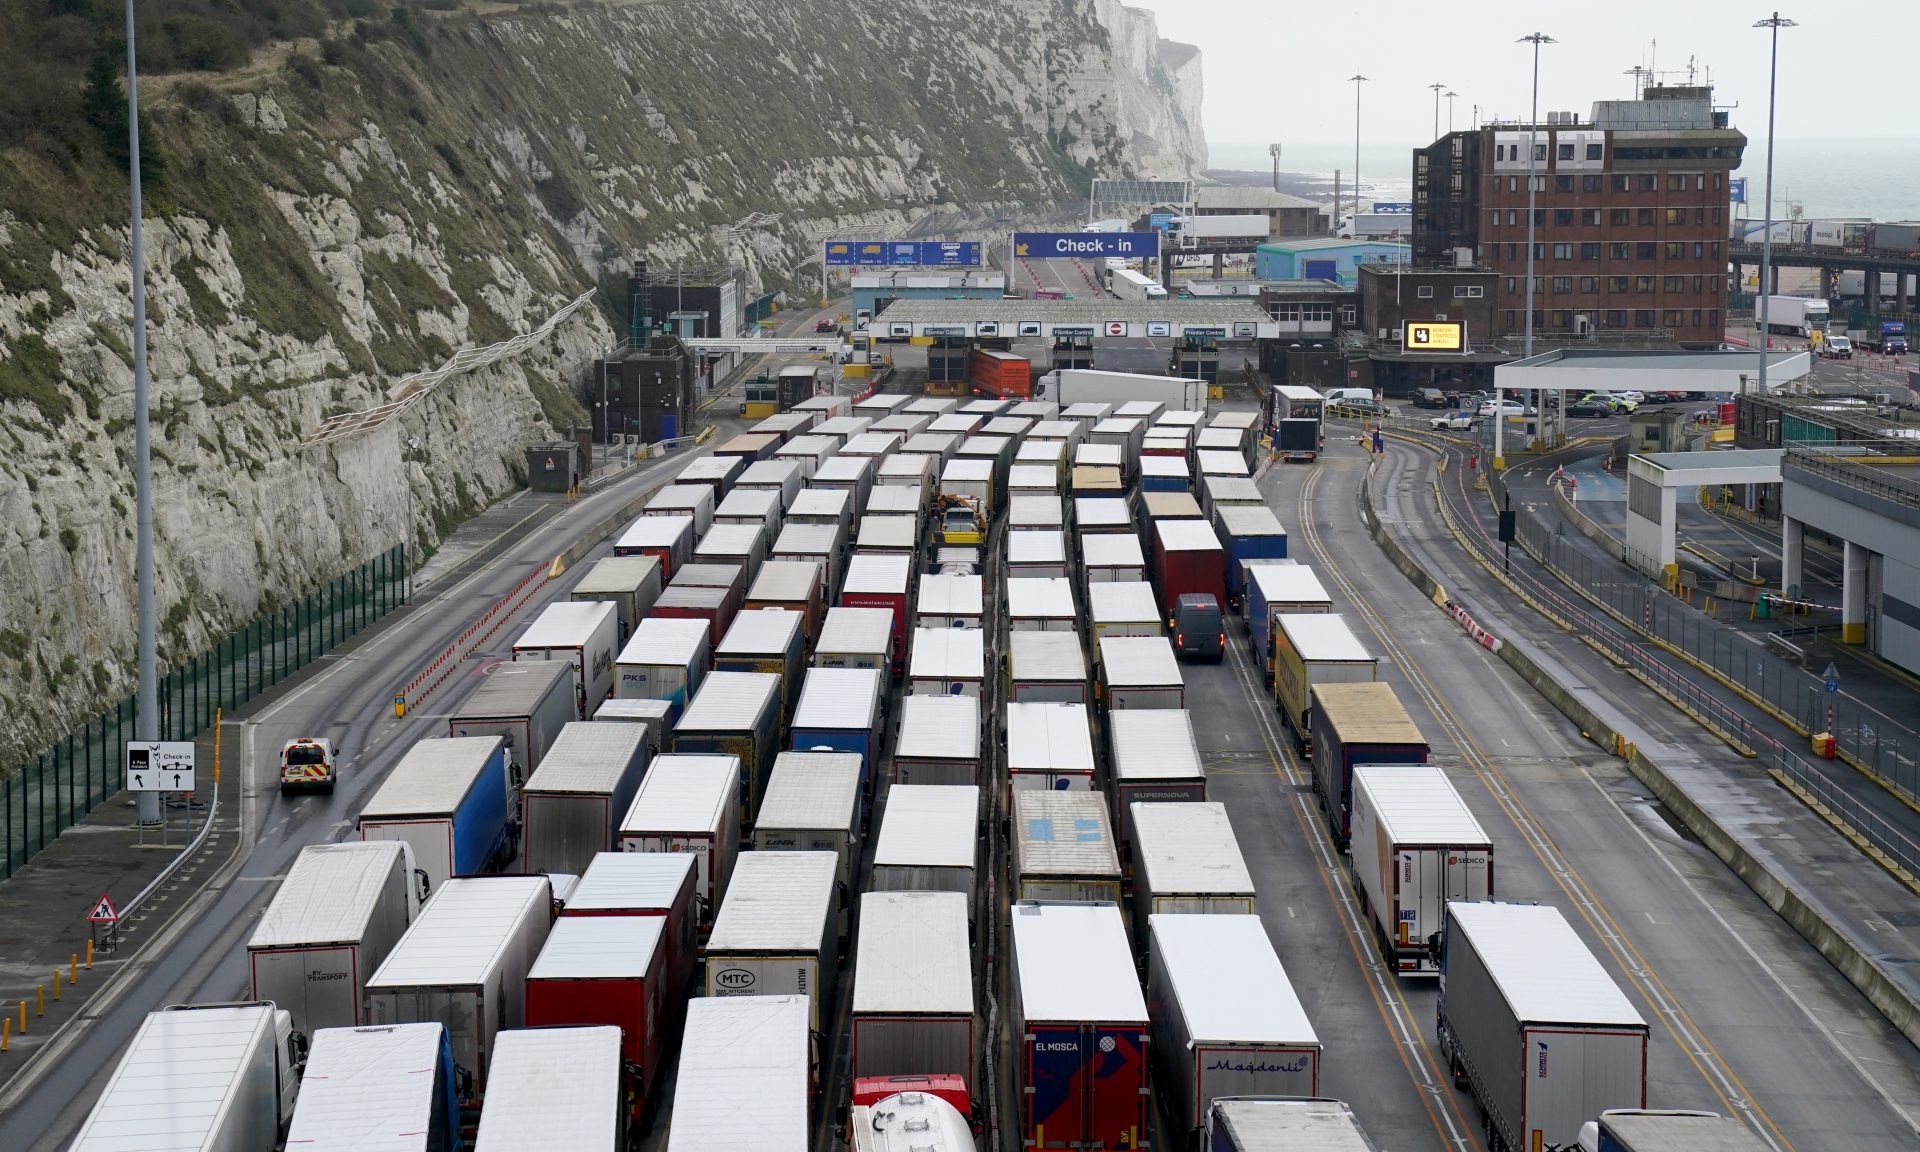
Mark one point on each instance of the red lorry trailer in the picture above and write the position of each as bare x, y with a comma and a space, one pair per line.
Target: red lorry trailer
1000, 374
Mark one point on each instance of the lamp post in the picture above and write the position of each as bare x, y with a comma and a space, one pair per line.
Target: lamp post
406, 554
146, 722
1533, 162
1357, 80
1773, 23
1437, 89
1450, 97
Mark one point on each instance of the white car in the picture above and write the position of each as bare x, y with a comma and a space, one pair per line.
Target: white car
1452, 422
1507, 408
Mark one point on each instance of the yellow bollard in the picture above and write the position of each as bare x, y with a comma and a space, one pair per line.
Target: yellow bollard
39, 999
6, 1032
73, 968
23, 1017
56, 984
89, 953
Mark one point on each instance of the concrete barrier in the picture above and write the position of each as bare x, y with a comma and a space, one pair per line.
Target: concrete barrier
1777, 890
1570, 512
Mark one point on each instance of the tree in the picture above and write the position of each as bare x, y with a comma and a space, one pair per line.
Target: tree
104, 103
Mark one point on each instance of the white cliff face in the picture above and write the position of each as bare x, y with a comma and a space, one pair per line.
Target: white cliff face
333, 226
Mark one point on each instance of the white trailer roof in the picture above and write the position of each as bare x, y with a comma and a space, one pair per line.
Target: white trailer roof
786, 581
838, 698
761, 632
877, 531
461, 932
1046, 656
627, 710
1090, 512
930, 443
1249, 520
599, 947
433, 776
855, 630
362, 1090
932, 824
1063, 833
1186, 536
1241, 418
983, 444
745, 1075
942, 595
1057, 430
565, 624
1218, 463
1288, 584
891, 497
882, 402
513, 689
1547, 974
957, 423
1044, 598
1218, 438
812, 791
655, 531
1153, 744
747, 502
625, 881
1037, 546
910, 465
939, 728
1122, 602
1230, 984
1189, 848
1237, 489
813, 444
588, 758
1036, 511
1118, 425
807, 539
678, 497
1305, 1125
1087, 410
844, 426
1091, 455
776, 902
1033, 477
1322, 636
932, 405
683, 794
729, 701
1169, 467
1180, 418
1140, 410
1111, 550
1049, 737
1009, 425
967, 469
1138, 662
1074, 965
729, 540
617, 574
1049, 454
664, 640
871, 443
552, 1088
330, 893
1035, 409
709, 468
913, 956
767, 473
948, 654
828, 502
878, 572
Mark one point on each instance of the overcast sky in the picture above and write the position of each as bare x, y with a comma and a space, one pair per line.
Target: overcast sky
1277, 70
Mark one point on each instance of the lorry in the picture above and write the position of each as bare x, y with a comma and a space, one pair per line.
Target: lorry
1068, 386
1188, 558
1261, 1124
1250, 533
758, 1042
1041, 604
206, 1077
735, 714
1313, 648
526, 705
1273, 590
816, 802
842, 710
1186, 859
929, 841
1794, 315
1116, 609
882, 580
658, 885
1226, 1020
1153, 757
454, 801
611, 970
331, 922
585, 635
1046, 666
632, 583
1416, 847
668, 539
1642, 1130
1126, 284
1140, 672
1377, 226
1063, 846
778, 932
1112, 557
1531, 1024
690, 804
573, 802
464, 963
664, 660
951, 601
1355, 724
856, 638
770, 640
578, 1069
1080, 1026
938, 741
1001, 375
1239, 227
390, 1087
1889, 338
905, 1114
947, 662
913, 1007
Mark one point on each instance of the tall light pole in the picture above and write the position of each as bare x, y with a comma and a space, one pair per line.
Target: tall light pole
406, 467
1533, 166
1450, 97
1773, 23
1437, 89
1357, 80
146, 721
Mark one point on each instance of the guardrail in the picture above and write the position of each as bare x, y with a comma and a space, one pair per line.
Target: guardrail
479, 632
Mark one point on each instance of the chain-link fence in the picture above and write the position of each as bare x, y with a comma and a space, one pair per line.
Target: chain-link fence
55, 790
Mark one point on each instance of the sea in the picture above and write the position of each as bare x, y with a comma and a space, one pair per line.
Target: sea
1817, 179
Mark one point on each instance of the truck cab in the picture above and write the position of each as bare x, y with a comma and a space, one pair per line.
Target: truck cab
960, 522
308, 762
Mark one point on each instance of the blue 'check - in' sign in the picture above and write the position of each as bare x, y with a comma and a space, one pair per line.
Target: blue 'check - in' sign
1086, 245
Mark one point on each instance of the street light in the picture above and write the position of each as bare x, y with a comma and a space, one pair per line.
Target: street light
1774, 23
1450, 97
1357, 80
146, 720
406, 553
1533, 160
1437, 89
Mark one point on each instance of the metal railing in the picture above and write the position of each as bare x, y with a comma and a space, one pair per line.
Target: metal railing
55, 790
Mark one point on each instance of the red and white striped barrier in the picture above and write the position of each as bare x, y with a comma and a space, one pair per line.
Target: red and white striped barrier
1478, 634
477, 633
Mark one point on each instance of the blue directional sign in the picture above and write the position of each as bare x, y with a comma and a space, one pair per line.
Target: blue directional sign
903, 253
839, 254
1160, 221
870, 254
1833, 685
950, 253
1086, 245
1737, 189
1393, 207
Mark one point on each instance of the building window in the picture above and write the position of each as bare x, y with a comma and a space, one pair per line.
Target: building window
1589, 283
1539, 285
1562, 217
1697, 253
1562, 318
1696, 285
1676, 216
1676, 181
1713, 252
1590, 250
1562, 285
1563, 183
1591, 217
1673, 284
1646, 250
1676, 249
1617, 318
1649, 182
1513, 252
1563, 251
1673, 318
1539, 182
1643, 284
1593, 153
1539, 151
1509, 319
1644, 218
1566, 151
1620, 217
1513, 215
1644, 317
1699, 215
1622, 183
1716, 188
1287, 313
1619, 249
1499, 151
1513, 285
1696, 317
1714, 212
1713, 314
1616, 283
1590, 182
1513, 183
1714, 286
1539, 251
1349, 314
1424, 292
1539, 217
1316, 313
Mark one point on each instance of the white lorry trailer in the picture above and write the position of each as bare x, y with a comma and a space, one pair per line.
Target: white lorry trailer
1091, 385
1262, 1124
1416, 846
556, 1088
394, 1088
1533, 1026
1640, 1130
1795, 315
588, 636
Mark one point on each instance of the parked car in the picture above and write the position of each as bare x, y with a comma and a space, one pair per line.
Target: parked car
1507, 408
1589, 408
826, 325
1612, 400
1430, 398
1453, 422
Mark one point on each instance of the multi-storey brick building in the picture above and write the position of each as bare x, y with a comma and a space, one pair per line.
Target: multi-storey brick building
1630, 216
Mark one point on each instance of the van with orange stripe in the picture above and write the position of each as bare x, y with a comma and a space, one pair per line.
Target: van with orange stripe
307, 763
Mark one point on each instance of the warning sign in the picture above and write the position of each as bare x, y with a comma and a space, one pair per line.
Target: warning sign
103, 911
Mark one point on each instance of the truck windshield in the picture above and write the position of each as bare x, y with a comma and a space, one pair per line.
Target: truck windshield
305, 754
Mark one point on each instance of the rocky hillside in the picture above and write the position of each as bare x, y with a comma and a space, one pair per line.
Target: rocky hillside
336, 210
